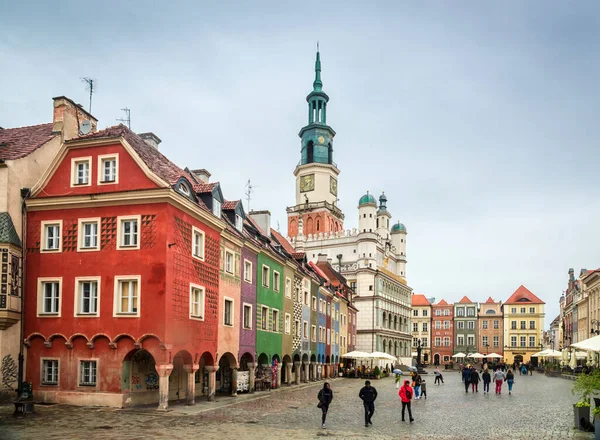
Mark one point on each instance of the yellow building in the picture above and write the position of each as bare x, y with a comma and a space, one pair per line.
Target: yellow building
523, 326
421, 326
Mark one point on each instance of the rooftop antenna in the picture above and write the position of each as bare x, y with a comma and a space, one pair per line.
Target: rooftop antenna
249, 188
127, 118
91, 86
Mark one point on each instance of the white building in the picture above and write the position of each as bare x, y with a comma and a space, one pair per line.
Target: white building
372, 257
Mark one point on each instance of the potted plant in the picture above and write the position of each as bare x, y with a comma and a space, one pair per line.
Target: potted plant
596, 414
377, 373
585, 385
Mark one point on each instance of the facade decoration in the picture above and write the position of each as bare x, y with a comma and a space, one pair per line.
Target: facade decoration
442, 331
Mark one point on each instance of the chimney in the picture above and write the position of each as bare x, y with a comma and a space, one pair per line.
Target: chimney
151, 139
69, 116
263, 220
322, 258
202, 174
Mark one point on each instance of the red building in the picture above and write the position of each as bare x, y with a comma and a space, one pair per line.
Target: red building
442, 341
122, 280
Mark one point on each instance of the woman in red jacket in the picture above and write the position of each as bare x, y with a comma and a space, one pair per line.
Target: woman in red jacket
406, 394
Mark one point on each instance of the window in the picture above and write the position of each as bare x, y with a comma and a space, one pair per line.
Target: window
108, 169
328, 336
470, 311
314, 303
51, 236
415, 342
438, 325
287, 323
532, 341
88, 234
425, 312
496, 342
288, 288
305, 329
415, 326
265, 276
484, 324
87, 373
196, 302
229, 262
328, 309
438, 313
128, 232
275, 320
87, 296
460, 312
470, 340
313, 329
247, 316
513, 325
446, 312
446, 325
513, 310
239, 223
425, 327
49, 372
297, 328
197, 243
216, 208
276, 281
471, 325
81, 171
228, 312
446, 341
306, 296
460, 325
446, 358
484, 341
496, 324
523, 309
416, 312
513, 341
438, 341
49, 296
247, 271
523, 325
460, 340
127, 295
264, 318
532, 310
523, 341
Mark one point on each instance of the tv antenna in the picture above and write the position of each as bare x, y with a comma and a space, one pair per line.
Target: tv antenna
249, 188
91, 87
127, 117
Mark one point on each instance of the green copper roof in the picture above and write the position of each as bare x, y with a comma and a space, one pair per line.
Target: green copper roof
8, 233
366, 199
398, 227
318, 84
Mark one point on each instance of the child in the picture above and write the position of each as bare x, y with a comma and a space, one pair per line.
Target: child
487, 378
423, 389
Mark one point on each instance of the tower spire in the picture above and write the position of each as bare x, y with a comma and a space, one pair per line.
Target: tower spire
318, 85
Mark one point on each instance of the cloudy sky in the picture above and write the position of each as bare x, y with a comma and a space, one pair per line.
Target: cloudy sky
478, 119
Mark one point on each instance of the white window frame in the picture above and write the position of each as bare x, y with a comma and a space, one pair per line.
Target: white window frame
313, 333
288, 287
43, 248
40, 305
314, 303
104, 158
200, 232
75, 161
513, 341
438, 325
43, 381
78, 297
297, 329
438, 313
244, 307
266, 279
117, 296
287, 323
484, 341
232, 255
460, 325
532, 310
264, 323
496, 324
496, 341
227, 299
460, 338
248, 273
470, 340
239, 222
275, 320
529, 341
81, 234
217, 207
80, 372
305, 334
523, 341
470, 325
276, 287
120, 232
484, 324
202, 302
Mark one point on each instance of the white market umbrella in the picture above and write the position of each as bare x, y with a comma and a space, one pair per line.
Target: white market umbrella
573, 362
580, 355
494, 355
538, 354
459, 355
356, 355
381, 355
590, 344
477, 356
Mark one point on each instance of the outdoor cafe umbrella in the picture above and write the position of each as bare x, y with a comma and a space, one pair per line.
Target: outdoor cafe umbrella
381, 355
573, 363
590, 344
459, 355
476, 356
494, 355
356, 355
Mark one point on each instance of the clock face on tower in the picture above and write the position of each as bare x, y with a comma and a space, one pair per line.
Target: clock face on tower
333, 185
307, 182
321, 140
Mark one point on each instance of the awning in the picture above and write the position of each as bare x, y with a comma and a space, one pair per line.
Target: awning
590, 344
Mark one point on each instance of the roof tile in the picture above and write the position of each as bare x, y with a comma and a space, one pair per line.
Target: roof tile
523, 295
418, 299
16, 143
465, 300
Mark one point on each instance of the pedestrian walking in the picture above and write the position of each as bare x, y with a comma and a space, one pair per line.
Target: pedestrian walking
487, 378
406, 395
474, 381
325, 397
510, 380
438, 376
417, 385
423, 389
499, 378
368, 394
530, 368
466, 374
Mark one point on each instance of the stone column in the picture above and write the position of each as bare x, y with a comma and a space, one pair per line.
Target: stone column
278, 376
306, 375
164, 371
297, 366
288, 373
251, 379
313, 367
190, 397
234, 382
212, 385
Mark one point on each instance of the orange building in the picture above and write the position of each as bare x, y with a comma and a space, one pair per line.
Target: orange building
490, 328
442, 341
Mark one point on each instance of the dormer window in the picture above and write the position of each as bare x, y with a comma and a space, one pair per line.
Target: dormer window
184, 189
239, 222
216, 208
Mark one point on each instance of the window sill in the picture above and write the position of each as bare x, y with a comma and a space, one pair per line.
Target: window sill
81, 184
87, 385
49, 384
51, 250
49, 315
197, 318
197, 257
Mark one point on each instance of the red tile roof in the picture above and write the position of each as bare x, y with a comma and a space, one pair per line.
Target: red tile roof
465, 300
490, 301
204, 187
442, 303
16, 143
418, 299
318, 270
298, 255
286, 245
523, 295
227, 204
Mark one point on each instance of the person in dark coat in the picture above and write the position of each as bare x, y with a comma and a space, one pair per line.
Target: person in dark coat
466, 374
368, 394
487, 378
325, 397
474, 381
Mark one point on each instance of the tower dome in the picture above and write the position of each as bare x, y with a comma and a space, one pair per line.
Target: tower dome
398, 227
367, 199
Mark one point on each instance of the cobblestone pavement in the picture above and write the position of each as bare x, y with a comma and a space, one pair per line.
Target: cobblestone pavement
540, 408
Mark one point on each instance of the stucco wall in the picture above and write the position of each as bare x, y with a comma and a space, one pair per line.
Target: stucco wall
248, 295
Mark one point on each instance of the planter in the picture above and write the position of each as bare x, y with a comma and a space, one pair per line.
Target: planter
582, 412
597, 429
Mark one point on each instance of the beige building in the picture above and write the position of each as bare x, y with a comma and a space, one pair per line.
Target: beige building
582, 305
591, 287
490, 328
25, 153
421, 326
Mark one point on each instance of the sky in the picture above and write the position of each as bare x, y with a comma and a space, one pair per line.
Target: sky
477, 119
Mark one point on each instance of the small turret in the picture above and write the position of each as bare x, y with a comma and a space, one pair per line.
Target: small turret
398, 234
383, 217
367, 212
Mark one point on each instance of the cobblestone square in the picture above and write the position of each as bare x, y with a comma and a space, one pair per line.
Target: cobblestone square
540, 408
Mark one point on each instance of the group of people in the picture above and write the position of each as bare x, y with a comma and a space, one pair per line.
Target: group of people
470, 376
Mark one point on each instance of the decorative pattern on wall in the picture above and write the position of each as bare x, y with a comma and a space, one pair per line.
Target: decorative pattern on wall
69, 236
9, 372
296, 339
108, 235
148, 240
4, 288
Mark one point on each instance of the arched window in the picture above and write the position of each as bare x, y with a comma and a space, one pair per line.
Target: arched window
377, 222
309, 226
310, 148
318, 225
329, 153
